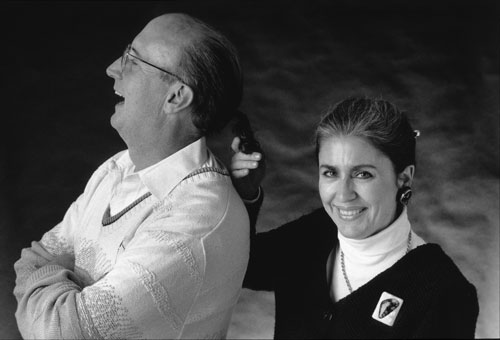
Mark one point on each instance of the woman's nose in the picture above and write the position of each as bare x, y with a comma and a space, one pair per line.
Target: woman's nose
345, 190
115, 69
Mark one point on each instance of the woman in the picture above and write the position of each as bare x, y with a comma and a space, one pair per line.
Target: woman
355, 268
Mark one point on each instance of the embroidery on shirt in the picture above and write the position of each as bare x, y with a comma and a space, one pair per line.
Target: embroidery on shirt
180, 248
87, 324
159, 295
103, 314
163, 208
91, 262
55, 243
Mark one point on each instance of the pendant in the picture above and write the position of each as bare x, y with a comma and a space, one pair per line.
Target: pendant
387, 308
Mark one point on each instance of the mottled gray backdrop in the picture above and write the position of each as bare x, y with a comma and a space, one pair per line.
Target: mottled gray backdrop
438, 60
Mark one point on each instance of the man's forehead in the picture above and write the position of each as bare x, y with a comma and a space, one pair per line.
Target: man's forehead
174, 26
164, 37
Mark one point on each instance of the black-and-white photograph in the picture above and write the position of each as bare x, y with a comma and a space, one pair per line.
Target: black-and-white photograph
250, 170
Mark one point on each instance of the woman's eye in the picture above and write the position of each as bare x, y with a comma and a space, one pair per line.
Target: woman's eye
328, 173
363, 174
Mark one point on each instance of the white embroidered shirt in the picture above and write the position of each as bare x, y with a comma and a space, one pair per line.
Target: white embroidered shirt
170, 267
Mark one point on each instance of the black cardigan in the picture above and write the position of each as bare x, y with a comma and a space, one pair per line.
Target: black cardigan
439, 302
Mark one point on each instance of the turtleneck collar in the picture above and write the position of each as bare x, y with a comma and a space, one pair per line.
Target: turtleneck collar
365, 259
389, 240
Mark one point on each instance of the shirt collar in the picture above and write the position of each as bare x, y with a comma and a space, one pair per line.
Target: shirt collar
123, 164
162, 177
393, 237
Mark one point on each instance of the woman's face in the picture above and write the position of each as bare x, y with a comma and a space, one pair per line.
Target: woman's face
357, 185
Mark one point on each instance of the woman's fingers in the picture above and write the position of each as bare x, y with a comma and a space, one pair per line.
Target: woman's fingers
235, 144
241, 164
240, 173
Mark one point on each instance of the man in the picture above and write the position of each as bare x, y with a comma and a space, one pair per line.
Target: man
157, 245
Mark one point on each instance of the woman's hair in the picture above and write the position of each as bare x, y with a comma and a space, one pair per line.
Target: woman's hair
378, 121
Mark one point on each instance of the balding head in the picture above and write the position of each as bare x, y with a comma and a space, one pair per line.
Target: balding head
165, 37
205, 60
178, 23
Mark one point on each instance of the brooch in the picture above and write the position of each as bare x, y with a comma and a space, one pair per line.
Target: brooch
387, 308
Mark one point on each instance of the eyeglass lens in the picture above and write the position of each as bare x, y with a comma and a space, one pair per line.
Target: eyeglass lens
125, 57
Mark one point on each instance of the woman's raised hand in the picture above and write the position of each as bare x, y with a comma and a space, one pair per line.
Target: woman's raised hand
247, 171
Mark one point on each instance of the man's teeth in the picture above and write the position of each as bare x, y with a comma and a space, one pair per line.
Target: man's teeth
118, 94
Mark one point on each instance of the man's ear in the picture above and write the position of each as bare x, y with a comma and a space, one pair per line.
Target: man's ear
405, 177
179, 97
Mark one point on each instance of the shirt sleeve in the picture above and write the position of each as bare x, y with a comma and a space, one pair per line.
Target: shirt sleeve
44, 272
46, 286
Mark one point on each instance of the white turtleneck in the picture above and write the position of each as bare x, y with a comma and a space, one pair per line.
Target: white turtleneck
364, 259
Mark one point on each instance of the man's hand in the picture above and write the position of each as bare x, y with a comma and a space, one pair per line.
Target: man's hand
247, 171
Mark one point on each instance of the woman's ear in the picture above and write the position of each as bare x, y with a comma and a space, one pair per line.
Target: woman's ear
405, 177
179, 97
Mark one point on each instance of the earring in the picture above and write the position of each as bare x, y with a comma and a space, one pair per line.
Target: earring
404, 195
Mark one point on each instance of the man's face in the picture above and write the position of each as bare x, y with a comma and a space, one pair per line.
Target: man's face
139, 116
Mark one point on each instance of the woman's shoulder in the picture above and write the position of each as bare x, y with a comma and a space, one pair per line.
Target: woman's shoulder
432, 262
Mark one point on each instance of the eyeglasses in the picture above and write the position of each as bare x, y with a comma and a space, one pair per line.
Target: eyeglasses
127, 54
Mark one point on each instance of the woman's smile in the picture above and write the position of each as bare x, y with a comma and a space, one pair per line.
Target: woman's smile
350, 214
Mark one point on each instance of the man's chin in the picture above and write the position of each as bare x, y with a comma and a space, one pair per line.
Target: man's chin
114, 120
115, 124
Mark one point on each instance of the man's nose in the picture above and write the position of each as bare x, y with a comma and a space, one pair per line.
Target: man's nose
115, 69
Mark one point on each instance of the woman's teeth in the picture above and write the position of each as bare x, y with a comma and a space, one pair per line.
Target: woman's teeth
349, 214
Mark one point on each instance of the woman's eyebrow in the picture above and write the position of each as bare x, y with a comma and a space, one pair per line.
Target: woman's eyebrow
327, 166
359, 166
355, 167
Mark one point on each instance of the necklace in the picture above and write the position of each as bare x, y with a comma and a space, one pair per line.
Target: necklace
408, 247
